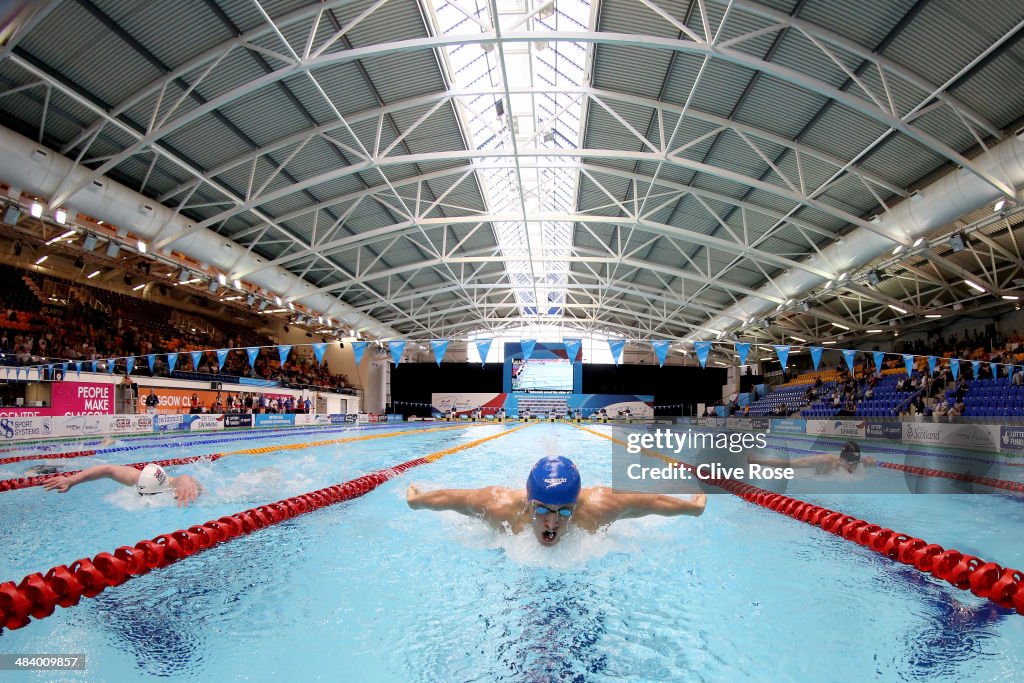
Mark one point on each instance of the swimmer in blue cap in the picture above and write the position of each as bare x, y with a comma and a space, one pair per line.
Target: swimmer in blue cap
552, 502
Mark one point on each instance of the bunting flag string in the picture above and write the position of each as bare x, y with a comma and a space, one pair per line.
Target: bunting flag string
129, 365
616, 346
197, 358
222, 355
849, 355
742, 349
879, 359
954, 367
661, 347
282, 352
528, 346
439, 346
782, 350
702, 349
816, 355
396, 348
151, 358
319, 349
976, 367
572, 349
482, 347
932, 360
908, 361
358, 349
252, 353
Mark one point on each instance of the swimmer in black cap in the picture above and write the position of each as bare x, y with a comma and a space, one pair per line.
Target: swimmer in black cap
849, 459
553, 499
150, 480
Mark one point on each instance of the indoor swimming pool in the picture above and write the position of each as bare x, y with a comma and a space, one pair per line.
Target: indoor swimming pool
371, 590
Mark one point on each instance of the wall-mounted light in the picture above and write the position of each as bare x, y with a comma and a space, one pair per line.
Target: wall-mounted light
36, 209
141, 246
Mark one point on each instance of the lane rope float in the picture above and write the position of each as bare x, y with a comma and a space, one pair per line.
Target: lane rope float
297, 431
1002, 585
38, 595
39, 479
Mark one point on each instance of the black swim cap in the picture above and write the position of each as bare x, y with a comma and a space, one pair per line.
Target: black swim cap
850, 452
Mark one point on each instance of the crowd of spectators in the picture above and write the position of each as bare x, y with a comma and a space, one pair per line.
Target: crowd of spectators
81, 330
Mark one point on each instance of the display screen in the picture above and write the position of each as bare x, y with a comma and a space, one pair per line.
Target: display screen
541, 375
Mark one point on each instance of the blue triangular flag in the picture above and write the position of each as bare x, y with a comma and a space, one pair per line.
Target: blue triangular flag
616, 346
252, 352
64, 370
879, 359
816, 355
572, 349
358, 349
482, 347
661, 350
995, 370
222, 355
742, 349
954, 367
78, 369
172, 361
1009, 372
439, 346
93, 366
528, 345
848, 354
130, 363
110, 366
318, 350
151, 357
908, 360
976, 366
932, 360
396, 347
783, 352
282, 352
702, 349
17, 374
197, 358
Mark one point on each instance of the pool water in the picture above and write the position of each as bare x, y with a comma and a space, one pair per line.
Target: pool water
371, 590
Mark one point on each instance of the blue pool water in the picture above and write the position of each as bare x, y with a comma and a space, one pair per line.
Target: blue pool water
371, 590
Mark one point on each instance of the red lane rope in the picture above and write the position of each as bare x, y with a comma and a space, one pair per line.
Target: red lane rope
1002, 585
48, 456
28, 482
38, 595
959, 476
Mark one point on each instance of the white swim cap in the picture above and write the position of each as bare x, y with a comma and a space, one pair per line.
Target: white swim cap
153, 480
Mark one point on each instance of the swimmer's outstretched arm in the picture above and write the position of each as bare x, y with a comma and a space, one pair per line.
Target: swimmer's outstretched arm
629, 505
806, 461
186, 489
122, 474
463, 501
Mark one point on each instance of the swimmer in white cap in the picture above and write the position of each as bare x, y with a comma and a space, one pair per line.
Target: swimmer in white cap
149, 481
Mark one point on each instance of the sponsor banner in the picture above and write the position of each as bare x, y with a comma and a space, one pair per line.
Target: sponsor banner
760, 423
304, 419
851, 428
14, 411
274, 420
128, 424
892, 431
341, 418
82, 398
741, 423
80, 425
244, 420
974, 436
1011, 439
187, 423
18, 429
788, 426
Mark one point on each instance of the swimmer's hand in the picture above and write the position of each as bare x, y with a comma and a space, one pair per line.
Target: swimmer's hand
412, 496
59, 484
186, 490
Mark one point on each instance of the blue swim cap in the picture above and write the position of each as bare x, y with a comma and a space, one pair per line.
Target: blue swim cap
553, 480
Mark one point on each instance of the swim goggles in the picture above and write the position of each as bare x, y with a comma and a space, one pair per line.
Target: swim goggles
541, 510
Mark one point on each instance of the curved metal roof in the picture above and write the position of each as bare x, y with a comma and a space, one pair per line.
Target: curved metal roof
627, 166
